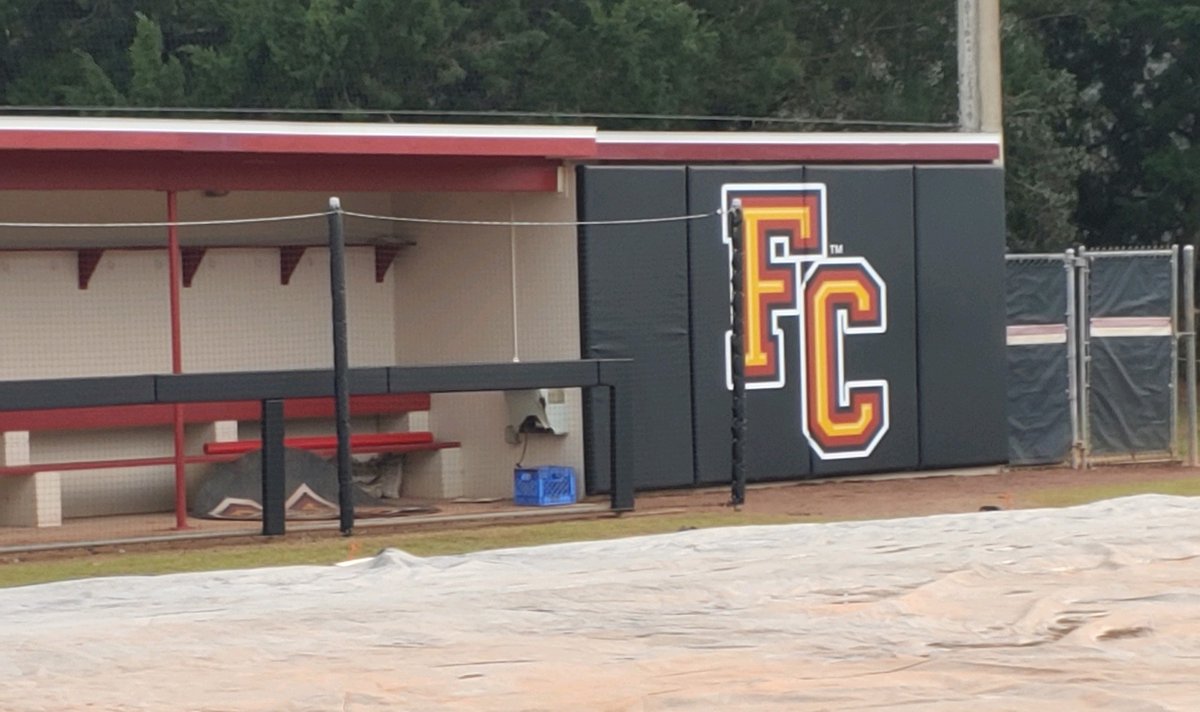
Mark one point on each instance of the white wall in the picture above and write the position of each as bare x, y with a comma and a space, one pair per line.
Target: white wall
237, 315
454, 304
51, 328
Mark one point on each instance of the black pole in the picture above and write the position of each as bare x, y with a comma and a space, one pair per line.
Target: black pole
274, 516
341, 391
737, 354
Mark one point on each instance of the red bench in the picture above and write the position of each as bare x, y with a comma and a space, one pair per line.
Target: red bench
327, 445
37, 500
134, 416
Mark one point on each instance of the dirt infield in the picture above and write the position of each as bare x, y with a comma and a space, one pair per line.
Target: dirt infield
849, 498
914, 495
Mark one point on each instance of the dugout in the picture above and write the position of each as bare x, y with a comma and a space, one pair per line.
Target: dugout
501, 272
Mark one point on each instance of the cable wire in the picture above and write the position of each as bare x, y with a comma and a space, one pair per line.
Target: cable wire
387, 114
533, 223
365, 216
177, 223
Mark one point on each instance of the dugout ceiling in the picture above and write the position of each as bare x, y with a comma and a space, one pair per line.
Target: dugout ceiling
875, 317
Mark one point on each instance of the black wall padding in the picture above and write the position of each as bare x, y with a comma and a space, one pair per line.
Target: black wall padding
633, 285
1129, 286
775, 444
961, 315
1130, 398
1039, 409
871, 215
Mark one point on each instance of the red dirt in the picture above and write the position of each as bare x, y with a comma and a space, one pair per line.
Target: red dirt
890, 496
861, 497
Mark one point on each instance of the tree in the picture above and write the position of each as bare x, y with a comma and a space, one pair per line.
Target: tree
1100, 94
1136, 67
1043, 163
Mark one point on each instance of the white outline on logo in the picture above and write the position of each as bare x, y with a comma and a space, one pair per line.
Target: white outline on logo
777, 257
846, 388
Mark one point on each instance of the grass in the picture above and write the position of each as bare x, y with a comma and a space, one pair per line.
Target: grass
1071, 496
300, 549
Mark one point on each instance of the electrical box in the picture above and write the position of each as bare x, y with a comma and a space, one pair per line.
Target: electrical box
543, 410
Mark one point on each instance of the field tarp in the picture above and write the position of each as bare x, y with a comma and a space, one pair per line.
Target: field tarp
1094, 607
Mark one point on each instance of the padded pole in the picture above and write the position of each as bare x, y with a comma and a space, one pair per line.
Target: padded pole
1189, 319
274, 515
737, 356
341, 392
1084, 351
618, 376
1072, 359
1173, 432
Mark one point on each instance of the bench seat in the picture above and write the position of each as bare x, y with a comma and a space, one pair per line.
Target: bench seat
135, 416
368, 442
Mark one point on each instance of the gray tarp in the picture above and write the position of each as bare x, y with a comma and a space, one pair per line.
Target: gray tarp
1092, 608
1035, 290
1131, 393
1039, 410
1129, 284
1039, 406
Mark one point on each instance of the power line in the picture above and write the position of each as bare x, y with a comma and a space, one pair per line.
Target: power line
387, 114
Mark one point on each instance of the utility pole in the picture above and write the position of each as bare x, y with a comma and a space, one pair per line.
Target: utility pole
980, 85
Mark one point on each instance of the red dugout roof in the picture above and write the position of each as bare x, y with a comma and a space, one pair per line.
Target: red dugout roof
168, 154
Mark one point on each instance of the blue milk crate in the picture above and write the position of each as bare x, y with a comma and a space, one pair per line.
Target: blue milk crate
544, 486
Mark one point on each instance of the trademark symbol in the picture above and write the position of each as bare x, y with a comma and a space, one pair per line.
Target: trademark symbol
836, 249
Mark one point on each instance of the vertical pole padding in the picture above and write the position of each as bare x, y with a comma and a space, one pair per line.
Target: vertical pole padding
1189, 334
341, 393
175, 275
1083, 350
1073, 384
274, 515
737, 354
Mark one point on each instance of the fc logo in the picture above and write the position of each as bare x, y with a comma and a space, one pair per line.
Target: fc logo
788, 273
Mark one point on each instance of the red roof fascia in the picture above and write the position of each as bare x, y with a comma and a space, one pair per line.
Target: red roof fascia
146, 170
847, 152
296, 143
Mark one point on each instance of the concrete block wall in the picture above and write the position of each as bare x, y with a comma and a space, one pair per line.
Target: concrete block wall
453, 309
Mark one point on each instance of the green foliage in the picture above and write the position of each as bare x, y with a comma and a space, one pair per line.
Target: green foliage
1100, 95
1136, 69
156, 79
1043, 171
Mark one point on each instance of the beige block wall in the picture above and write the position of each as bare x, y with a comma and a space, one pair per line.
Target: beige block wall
120, 325
87, 493
454, 304
237, 315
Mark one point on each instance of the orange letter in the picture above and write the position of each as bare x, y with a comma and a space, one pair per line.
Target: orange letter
842, 418
780, 229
